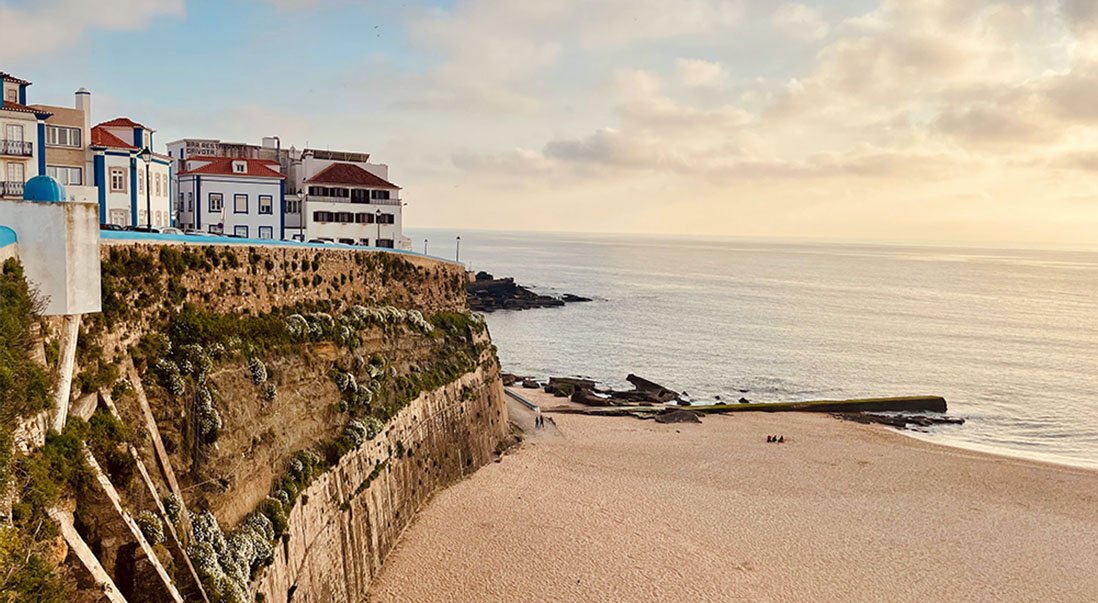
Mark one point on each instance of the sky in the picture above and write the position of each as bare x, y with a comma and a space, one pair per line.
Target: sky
899, 120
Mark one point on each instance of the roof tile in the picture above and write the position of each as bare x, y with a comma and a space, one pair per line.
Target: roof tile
350, 174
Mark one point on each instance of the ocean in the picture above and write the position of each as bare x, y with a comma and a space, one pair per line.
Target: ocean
1008, 336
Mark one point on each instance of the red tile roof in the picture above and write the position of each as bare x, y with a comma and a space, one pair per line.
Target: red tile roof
100, 137
351, 175
256, 168
10, 106
123, 122
7, 77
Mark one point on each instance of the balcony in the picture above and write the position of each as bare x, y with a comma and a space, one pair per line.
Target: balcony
327, 199
11, 189
16, 148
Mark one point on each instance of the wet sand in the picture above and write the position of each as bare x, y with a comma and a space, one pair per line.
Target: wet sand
618, 509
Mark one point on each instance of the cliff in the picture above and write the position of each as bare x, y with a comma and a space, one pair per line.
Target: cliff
255, 423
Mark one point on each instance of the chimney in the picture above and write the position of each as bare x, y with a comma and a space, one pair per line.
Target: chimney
84, 103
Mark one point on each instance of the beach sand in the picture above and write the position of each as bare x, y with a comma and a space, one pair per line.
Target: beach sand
619, 509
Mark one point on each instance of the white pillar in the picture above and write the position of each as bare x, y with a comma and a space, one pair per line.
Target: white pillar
70, 332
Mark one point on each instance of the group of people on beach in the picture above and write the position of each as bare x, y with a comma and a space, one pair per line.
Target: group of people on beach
775, 439
539, 421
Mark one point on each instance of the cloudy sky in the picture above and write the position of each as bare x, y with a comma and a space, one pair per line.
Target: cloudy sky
914, 120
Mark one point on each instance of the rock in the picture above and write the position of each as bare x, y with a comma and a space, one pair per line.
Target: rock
530, 384
657, 391
574, 299
564, 387
678, 416
584, 395
900, 421
745, 401
509, 379
84, 407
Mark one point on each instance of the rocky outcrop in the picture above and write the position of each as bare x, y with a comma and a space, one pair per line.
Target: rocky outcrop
488, 294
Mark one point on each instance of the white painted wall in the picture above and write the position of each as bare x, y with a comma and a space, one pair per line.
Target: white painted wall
59, 248
228, 187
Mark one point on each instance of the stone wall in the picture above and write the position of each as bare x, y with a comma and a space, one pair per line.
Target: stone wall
355, 512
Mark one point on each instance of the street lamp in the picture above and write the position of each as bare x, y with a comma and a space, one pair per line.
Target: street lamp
457, 254
377, 220
146, 155
424, 246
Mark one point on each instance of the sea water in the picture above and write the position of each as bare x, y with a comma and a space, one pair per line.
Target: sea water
1008, 336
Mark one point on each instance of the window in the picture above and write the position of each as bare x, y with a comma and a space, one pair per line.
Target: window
217, 202
15, 172
387, 243
120, 217
345, 217
13, 133
66, 175
190, 201
386, 219
141, 184
240, 204
266, 204
59, 136
266, 232
293, 206
12, 95
118, 180
347, 241
158, 188
379, 194
359, 195
240, 231
179, 203
240, 167
322, 216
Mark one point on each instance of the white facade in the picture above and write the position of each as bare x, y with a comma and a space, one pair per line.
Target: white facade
22, 153
344, 198
234, 196
132, 192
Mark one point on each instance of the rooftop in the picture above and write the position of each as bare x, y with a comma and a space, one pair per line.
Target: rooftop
10, 106
100, 137
351, 175
124, 122
254, 168
7, 77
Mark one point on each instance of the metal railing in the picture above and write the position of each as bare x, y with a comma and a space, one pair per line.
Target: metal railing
16, 147
328, 199
11, 189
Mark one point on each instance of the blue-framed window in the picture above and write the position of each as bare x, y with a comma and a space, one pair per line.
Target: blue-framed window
240, 231
266, 204
217, 202
240, 203
266, 232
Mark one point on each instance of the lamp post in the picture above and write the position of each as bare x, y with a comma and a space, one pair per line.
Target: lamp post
301, 214
424, 246
457, 254
146, 155
377, 220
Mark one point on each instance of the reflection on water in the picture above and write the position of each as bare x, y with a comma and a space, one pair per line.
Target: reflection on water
1009, 337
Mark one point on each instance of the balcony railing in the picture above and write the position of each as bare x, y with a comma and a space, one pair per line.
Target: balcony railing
328, 199
11, 189
16, 147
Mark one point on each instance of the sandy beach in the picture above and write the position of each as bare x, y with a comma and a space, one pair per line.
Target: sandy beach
618, 509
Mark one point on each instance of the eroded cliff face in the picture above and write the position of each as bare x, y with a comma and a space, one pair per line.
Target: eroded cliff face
355, 512
264, 422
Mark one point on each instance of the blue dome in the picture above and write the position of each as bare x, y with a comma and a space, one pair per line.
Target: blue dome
44, 189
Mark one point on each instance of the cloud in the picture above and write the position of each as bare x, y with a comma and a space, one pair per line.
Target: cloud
699, 73
49, 25
801, 21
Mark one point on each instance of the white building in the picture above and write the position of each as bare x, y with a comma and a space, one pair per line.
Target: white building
231, 195
135, 184
22, 137
345, 204
344, 198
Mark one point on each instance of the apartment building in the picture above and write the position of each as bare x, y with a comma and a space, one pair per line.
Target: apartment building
68, 156
22, 137
231, 195
135, 184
